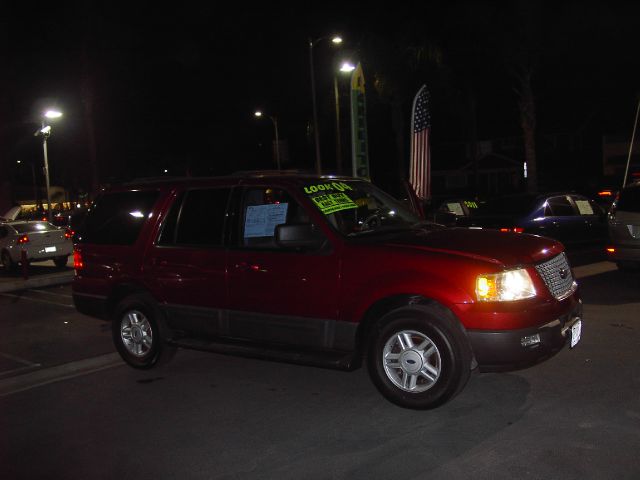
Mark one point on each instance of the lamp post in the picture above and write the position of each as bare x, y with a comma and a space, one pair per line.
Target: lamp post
45, 131
275, 127
346, 67
316, 133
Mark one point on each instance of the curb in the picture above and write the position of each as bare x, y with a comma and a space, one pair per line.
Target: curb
39, 281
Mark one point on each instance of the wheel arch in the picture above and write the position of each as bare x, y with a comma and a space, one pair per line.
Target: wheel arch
382, 307
121, 291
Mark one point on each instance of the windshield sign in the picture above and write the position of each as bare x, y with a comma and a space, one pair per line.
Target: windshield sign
357, 207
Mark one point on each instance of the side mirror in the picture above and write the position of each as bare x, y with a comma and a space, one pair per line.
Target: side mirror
302, 235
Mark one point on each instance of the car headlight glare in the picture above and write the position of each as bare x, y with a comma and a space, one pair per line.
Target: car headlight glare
504, 286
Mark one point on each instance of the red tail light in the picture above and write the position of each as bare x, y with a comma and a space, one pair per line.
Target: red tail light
68, 233
514, 229
77, 260
23, 239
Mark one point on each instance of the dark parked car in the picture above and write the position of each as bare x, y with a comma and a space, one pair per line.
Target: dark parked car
570, 218
320, 270
624, 228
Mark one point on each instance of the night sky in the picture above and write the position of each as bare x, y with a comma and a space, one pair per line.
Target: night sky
154, 87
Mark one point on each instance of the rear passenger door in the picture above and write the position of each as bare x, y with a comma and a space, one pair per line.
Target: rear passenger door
187, 264
565, 223
279, 295
593, 217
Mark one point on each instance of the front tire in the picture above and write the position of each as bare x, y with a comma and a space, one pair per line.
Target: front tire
418, 357
137, 331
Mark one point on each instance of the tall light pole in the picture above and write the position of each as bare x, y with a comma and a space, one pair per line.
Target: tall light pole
316, 133
45, 131
346, 67
275, 127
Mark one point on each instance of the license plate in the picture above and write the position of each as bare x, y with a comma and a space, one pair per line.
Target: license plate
49, 249
576, 331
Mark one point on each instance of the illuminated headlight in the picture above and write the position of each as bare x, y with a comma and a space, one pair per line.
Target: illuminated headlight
504, 286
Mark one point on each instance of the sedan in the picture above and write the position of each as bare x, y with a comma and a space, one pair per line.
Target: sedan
40, 241
568, 217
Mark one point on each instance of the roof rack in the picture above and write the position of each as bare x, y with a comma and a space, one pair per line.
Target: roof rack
261, 173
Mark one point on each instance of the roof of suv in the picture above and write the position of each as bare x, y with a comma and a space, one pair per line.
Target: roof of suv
288, 175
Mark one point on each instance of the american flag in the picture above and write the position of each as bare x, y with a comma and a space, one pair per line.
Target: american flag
420, 164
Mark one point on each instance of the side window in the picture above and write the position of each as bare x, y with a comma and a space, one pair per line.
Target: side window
585, 206
263, 209
3, 232
197, 218
559, 207
117, 218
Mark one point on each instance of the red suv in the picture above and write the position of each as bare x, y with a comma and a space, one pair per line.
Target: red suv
320, 270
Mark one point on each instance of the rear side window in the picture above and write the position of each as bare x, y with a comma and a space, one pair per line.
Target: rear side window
629, 200
197, 218
117, 218
559, 207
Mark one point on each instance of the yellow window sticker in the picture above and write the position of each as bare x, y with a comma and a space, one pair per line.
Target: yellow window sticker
326, 187
333, 202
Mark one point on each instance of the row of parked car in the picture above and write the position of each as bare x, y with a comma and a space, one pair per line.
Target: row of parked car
604, 219
31, 237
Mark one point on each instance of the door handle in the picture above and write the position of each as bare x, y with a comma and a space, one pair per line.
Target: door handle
246, 267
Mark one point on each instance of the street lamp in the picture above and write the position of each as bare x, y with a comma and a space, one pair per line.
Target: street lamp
346, 67
336, 40
45, 131
275, 127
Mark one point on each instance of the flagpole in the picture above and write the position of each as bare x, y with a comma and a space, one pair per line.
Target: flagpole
633, 136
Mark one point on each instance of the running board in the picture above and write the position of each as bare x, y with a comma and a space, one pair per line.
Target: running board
334, 360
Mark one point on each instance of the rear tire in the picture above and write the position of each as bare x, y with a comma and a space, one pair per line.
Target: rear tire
418, 357
61, 262
139, 334
7, 263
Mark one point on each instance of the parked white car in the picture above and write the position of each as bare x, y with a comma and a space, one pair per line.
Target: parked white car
40, 241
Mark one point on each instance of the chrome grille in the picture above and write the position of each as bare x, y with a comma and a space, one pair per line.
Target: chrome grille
556, 274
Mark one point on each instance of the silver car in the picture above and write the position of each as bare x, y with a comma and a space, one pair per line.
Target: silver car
624, 228
40, 241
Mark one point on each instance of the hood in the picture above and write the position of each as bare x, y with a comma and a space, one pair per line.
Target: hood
489, 221
485, 245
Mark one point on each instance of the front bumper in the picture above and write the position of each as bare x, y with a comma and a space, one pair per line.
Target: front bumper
512, 350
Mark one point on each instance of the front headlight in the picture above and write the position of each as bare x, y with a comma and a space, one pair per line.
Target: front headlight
504, 286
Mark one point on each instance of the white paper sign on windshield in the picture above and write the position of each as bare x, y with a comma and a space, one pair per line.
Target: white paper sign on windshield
261, 220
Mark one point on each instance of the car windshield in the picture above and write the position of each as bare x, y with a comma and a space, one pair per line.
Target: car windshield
358, 207
32, 227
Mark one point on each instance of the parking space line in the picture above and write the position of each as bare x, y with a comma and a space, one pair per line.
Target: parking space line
67, 371
19, 360
22, 297
53, 294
